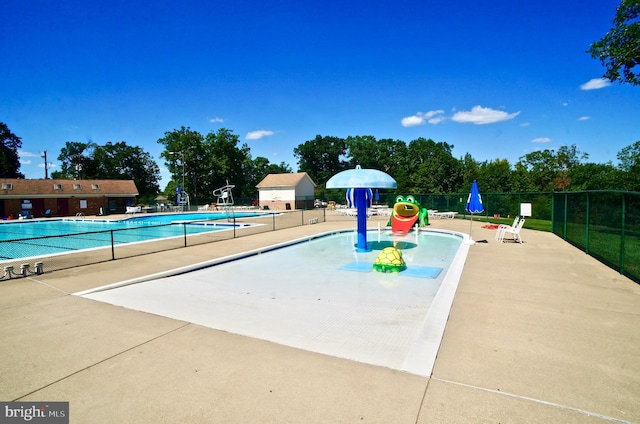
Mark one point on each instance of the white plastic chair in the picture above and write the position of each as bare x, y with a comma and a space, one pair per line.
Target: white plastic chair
515, 231
503, 226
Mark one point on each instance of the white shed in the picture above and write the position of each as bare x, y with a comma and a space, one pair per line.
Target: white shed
286, 191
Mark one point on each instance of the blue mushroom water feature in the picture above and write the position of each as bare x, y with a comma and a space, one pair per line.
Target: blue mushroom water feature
361, 181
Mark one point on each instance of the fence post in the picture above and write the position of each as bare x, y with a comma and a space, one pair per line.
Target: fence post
113, 251
184, 230
553, 212
624, 207
564, 227
586, 241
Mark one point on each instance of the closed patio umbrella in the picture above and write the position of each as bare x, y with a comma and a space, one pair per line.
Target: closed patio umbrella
474, 204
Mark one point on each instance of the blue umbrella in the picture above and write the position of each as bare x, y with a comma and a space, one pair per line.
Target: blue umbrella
474, 203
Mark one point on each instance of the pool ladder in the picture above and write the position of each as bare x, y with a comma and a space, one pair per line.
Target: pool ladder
80, 215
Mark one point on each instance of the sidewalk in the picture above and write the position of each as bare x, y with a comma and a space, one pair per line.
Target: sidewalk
538, 332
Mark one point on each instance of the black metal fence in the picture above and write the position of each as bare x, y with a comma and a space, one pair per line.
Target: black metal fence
21, 257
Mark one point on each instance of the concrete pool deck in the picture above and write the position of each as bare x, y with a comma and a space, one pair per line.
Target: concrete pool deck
538, 332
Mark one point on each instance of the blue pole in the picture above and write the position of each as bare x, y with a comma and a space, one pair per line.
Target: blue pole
361, 206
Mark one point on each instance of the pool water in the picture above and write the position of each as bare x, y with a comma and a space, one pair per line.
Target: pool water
319, 295
28, 238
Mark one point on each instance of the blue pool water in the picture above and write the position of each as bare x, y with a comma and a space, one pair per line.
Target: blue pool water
28, 238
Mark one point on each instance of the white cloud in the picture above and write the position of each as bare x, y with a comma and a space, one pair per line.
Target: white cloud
595, 84
584, 118
24, 154
482, 115
216, 120
257, 135
525, 124
541, 140
433, 117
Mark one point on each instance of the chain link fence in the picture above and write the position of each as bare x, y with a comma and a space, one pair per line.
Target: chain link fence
605, 224
496, 205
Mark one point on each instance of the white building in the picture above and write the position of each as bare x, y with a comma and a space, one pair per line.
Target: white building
286, 191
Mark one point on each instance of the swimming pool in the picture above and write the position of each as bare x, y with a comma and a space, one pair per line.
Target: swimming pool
32, 238
318, 294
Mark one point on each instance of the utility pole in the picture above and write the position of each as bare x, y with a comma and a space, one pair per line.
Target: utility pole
46, 165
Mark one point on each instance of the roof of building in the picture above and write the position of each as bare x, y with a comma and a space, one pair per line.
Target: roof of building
284, 180
66, 188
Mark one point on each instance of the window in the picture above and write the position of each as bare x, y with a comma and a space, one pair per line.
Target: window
77, 186
57, 186
95, 186
7, 186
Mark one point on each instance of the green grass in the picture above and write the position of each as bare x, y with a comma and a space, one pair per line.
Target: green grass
529, 223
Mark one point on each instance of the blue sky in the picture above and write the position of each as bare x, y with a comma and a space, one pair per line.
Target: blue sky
496, 79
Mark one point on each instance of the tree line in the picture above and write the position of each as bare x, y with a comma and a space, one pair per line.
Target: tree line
425, 166
202, 163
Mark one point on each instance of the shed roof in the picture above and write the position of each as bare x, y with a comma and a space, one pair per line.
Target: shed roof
66, 188
284, 180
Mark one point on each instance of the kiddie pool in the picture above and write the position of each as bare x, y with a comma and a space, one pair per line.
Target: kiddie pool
318, 294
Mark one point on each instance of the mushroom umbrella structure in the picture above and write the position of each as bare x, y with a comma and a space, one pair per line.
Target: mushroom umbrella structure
361, 180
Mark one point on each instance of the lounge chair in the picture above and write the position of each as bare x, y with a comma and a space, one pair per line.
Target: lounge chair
133, 209
515, 231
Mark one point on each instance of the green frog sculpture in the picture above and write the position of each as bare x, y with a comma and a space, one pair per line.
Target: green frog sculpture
406, 214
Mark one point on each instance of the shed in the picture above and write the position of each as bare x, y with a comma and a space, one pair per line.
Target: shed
286, 191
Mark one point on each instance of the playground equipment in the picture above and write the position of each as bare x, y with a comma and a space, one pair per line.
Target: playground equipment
407, 213
362, 181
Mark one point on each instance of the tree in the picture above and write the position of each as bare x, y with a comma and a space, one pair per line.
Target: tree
470, 170
321, 157
76, 161
9, 160
385, 155
205, 163
432, 167
548, 170
619, 49
223, 160
496, 176
124, 162
596, 176
113, 161
183, 157
629, 158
